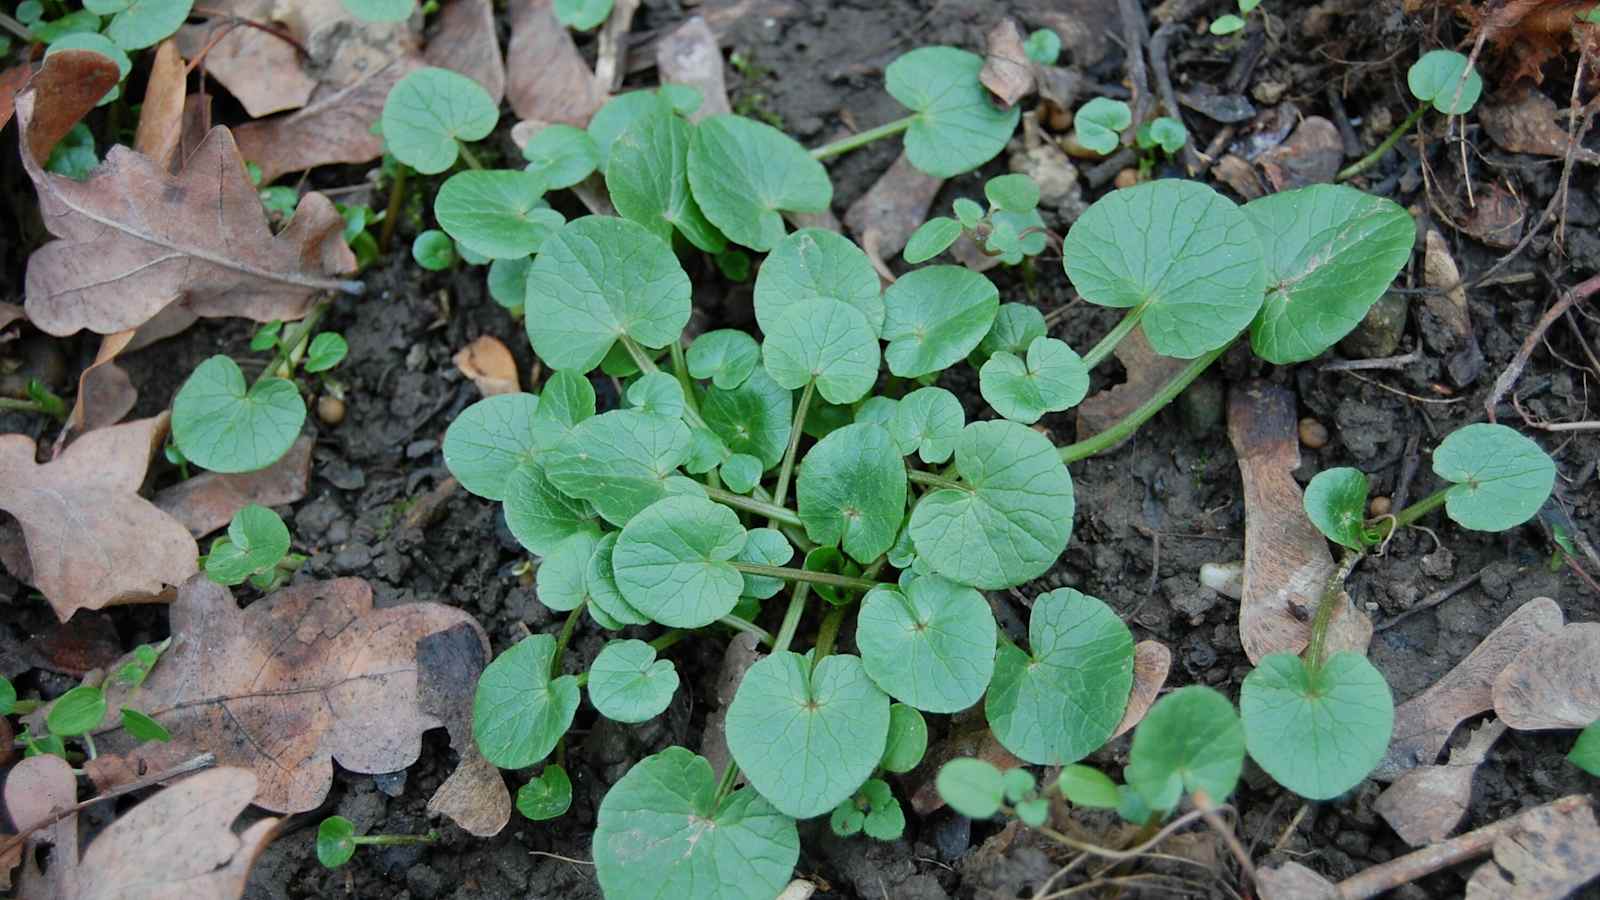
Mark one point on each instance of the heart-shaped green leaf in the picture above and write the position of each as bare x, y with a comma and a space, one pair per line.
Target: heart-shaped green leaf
1053, 379
335, 841
1084, 786
326, 351
567, 400
661, 833
659, 394
648, 179
827, 341
928, 421
1010, 518
489, 440
1164, 132
561, 156
741, 473
931, 238
851, 491
547, 797
807, 739
224, 426
622, 461
582, 15
538, 514
1043, 46
743, 173
617, 116
562, 579
877, 411
814, 264
754, 418
766, 547
957, 127
1016, 326
930, 644
1063, 700
1336, 502
500, 214
1016, 193
508, 282
1501, 477
519, 711
935, 316
601, 583
435, 251
1100, 122
1316, 733
672, 561
257, 539
429, 111
136, 24
1190, 740
1437, 78
726, 356
873, 809
628, 684
908, 739
1179, 251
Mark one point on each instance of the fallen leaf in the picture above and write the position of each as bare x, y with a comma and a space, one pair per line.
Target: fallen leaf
161, 115
894, 206
1234, 172
1554, 683
1293, 881
1151, 663
1311, 155
448, 665
209, 500
179, 843
67, 85
10, 312
742, 652
1449, 302
1552, 853
11, 81
464, 41
689, 55
979, 743
307, 676
1424, 723
490, 365
1147, 371
1427, 803
1286, 560
1496, 217
262, 71
723, 19
34, 789
133, 238
1524, 121
105, 393
546, 77
92, 540
1007, 70
344, 47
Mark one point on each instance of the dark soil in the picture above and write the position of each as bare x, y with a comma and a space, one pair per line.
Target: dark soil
1149, 514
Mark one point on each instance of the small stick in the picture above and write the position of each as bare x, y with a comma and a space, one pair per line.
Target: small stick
1135, 31
1385, 362
1432, 600
203, 761
1513, 370
1202, 801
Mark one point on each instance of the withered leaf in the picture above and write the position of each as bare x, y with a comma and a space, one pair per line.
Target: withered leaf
304, 677
1552, 853
1427, 803
92, 540
464, 41
11, 81
133, 238
262, 71
546, 77
448, 665
1524, 121
1553, 684
490, 365
1152, 660
1147, 372
1007, 70
894, 206
980, 743
208, 501
689, 55
161, 115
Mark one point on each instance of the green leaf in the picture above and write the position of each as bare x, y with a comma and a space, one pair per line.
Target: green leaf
661, 833
931, 238
519, 711
928, 421
1016, 327
957, 127
971, 787
1085, 786
582, 15
726, 356
1061, 702
884, 820
1190, 740
30, 12
743, 173
538, 514
599, 279
601, 583
567, 400
826, 418
617, 116
435, 251
547, 797
936, 315
1330, 251
754, 418
80, 710
380, 10
335, 844
224, 426
431, 109
1316, 733
741, 473
79, 21
847, 818
968, 212
811, 265
659, 394
827, 341
74, 155
1034, 811
628, 684
142, 727
685, 99
706, 451
1010, 519
622, 461
767, 547
136, 24
1181, 252
807, 739
1100, 122
1053, 379
908, 739
561, 156
489, 440
648, 179
501, 213
562, 578
1226, 24
851, 491
1437, 78
877, 411
508, 282
1585, 753
734, 264
1336, 502
1043, 47
327, 350
1016, 193
257, 539
1164, 132
930, 644
1019, 783
672, 561
1501, 477
8, 696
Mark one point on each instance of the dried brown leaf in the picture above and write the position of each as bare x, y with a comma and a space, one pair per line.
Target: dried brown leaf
262, 71
741, 653
76, 647
92, 540
10, 312
448, 665
1449, 302
1552, 853
1524, 121
546, 77
209, 500
1147, 372
67, 85
307, 676
689, 55
611, 56
1293, 881
490, 365
1427, 803
894, 206
1152, 660
1553, 684
1311, 155
1007, 70
161, 115
11, 81
464, 41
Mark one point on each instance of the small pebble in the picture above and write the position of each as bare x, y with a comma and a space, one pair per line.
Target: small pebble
330, 409
1313, 434
1058, 118
1127, 178
1379, 506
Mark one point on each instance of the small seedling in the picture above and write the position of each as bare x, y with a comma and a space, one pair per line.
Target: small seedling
256, 548
80, 712
1230, 23
1011, 229
1443, 80
337, 840
1043, 47
1098, 124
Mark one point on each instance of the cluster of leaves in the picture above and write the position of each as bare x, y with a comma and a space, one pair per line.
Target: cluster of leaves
1011, 229
256, 548
82, 709
1099, 123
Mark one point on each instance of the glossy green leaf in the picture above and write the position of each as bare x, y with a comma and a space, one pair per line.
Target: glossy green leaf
1164, 132
80, 710
622, 461
813, 264
1016, 326
501, 213
618, 115
1226, 24
754, 418
1177, 250
429, 111
327, 350
1437, 78
726, 356
935, 317
223, 425
971, 787
930, 644
435, 251
1190, 740
659, 394
1336, 502
1085, 786
508, 282
561, 155
741, 473
548, 796
562, 578
519, 710
743, 173
1010, 518
1043, 47
672, 561
582, 15
1063, 700
628, 684
335, 844
827, 341
596, 280
136, 24
908, 739
928, 421
601, 583
851, 491
1015, 192
257, 539
1330, 251
648, 179
489, 440
1100, 122
1585, 753
662, 833
142, 727
538, 514
1501, 477
807, 739
566, 401
958, 127
767, 547
1053, 379
1316, 733
931, 238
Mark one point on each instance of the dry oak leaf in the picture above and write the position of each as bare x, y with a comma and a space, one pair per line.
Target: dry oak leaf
1553, 684
546, 77
134, 238
208, 501
304, 677
1552, 853
464, 41
92, 540
176, 845
448, 666
161, 115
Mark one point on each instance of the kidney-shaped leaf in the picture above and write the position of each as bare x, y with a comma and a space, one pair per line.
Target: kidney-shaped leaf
1316, 733
520, 711
601, 583
500, 214
1336, 502
622, 461
1437, 78
929, 644
1501, 477
743, 172
429, 111
226, 426
811, 264
538, 514
628, 684
561, 155
489, 440
649, 183
672, 561
928, 421
726, 356
957, 128
754, 418
1054, 378
851, 491
1191, 740
828, 341
935, 317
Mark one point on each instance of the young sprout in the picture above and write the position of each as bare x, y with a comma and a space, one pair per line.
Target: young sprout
256, 548
1443, 80
434, 250
1230, 23
337, 840
1098, 124
1043, 47
1011, 229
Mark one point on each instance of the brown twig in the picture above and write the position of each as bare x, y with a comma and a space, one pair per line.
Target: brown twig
1432, 600
203, 761
273, 30
1135, 34
1202, 801
1394, 363
1513, 370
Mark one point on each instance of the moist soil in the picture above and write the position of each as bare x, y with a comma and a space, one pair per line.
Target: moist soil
1148, 514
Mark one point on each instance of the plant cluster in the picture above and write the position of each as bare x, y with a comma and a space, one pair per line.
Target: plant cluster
82, 710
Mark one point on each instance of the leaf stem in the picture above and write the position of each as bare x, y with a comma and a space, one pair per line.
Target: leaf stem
827, 633
691, 413
1130, 423
1114, 337
1372, 159
16, 28
567, 629
467, 154
298, 334
746, 626
791, 617
27, 406
805, 575
863, 138
391, 215
390, 840
1327, 605
772, 511
780, 492
681, 369
918, 476
1419, 509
